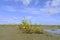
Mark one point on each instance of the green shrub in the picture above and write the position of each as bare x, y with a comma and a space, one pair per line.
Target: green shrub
38, 30
26, 26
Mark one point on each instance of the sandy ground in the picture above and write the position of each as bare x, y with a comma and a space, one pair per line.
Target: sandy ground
13, 33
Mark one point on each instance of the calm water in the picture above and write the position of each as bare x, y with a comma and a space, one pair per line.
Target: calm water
56, 31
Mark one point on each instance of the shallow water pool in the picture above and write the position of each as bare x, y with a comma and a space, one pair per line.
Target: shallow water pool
57, 31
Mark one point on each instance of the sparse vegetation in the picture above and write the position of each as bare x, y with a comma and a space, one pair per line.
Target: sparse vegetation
27, 28
11, 32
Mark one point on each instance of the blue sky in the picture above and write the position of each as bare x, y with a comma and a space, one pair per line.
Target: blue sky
46, 12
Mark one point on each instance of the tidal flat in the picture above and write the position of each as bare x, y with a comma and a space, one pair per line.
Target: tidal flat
12, 32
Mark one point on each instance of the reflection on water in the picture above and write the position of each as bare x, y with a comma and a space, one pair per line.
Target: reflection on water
56, 31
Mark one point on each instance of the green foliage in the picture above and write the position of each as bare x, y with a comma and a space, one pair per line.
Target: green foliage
38, 30
26, 26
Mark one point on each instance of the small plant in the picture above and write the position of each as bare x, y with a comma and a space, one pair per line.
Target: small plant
25, 24
38, 30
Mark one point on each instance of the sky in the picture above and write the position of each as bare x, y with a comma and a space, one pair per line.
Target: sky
45, 12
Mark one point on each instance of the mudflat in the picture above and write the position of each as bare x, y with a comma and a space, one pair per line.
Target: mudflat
13, 33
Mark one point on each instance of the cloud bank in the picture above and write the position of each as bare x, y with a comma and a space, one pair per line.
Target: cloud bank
50, 7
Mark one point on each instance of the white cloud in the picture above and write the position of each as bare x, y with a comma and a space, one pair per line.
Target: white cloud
26, 2
40, 19
29, 17
8, 8
47, 4
3, 19
16, 0
51, 7
45, 10
10, 20
55, 3
15, 19
12, 0
50, 10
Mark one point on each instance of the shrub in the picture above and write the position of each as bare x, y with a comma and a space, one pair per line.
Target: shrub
38, 30
25, 24
27, 28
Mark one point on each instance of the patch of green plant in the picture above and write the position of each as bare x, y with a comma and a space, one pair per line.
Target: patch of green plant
38, 30
29, 29
26, 24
